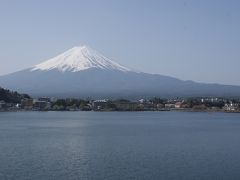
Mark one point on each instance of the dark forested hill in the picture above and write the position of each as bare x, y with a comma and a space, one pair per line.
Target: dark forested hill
11, 96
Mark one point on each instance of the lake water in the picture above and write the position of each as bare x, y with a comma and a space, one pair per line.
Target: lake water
119, 145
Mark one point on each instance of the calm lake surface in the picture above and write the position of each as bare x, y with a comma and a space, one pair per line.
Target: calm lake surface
119, 145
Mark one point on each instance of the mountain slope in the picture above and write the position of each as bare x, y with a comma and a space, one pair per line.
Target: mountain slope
82, 72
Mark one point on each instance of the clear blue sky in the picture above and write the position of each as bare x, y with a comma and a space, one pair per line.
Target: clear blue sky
197, 40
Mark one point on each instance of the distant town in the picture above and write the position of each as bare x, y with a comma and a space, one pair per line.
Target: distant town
13, 101
154, 104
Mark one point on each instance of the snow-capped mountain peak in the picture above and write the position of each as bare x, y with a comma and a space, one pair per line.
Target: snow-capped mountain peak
78, 59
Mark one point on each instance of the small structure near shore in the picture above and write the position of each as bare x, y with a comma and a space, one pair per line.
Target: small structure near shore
2, 104
99, 104
27, 104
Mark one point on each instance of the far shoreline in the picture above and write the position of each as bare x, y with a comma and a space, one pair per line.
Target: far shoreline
100, 111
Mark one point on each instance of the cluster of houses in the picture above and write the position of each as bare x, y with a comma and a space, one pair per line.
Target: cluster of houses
47, 104
125, 105
27, 104
204, 104
232, 107
229, 104
43, 103
8, 106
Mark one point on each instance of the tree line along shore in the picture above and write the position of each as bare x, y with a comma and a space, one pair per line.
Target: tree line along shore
13, 101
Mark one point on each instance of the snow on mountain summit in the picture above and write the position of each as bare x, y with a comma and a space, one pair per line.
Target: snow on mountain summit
78, 59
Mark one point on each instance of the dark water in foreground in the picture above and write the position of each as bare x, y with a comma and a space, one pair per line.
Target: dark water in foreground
125, 145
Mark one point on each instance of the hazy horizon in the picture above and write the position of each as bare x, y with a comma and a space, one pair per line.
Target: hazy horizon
189, 40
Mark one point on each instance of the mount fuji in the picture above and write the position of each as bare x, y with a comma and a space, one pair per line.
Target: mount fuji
79, 59
83, 72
